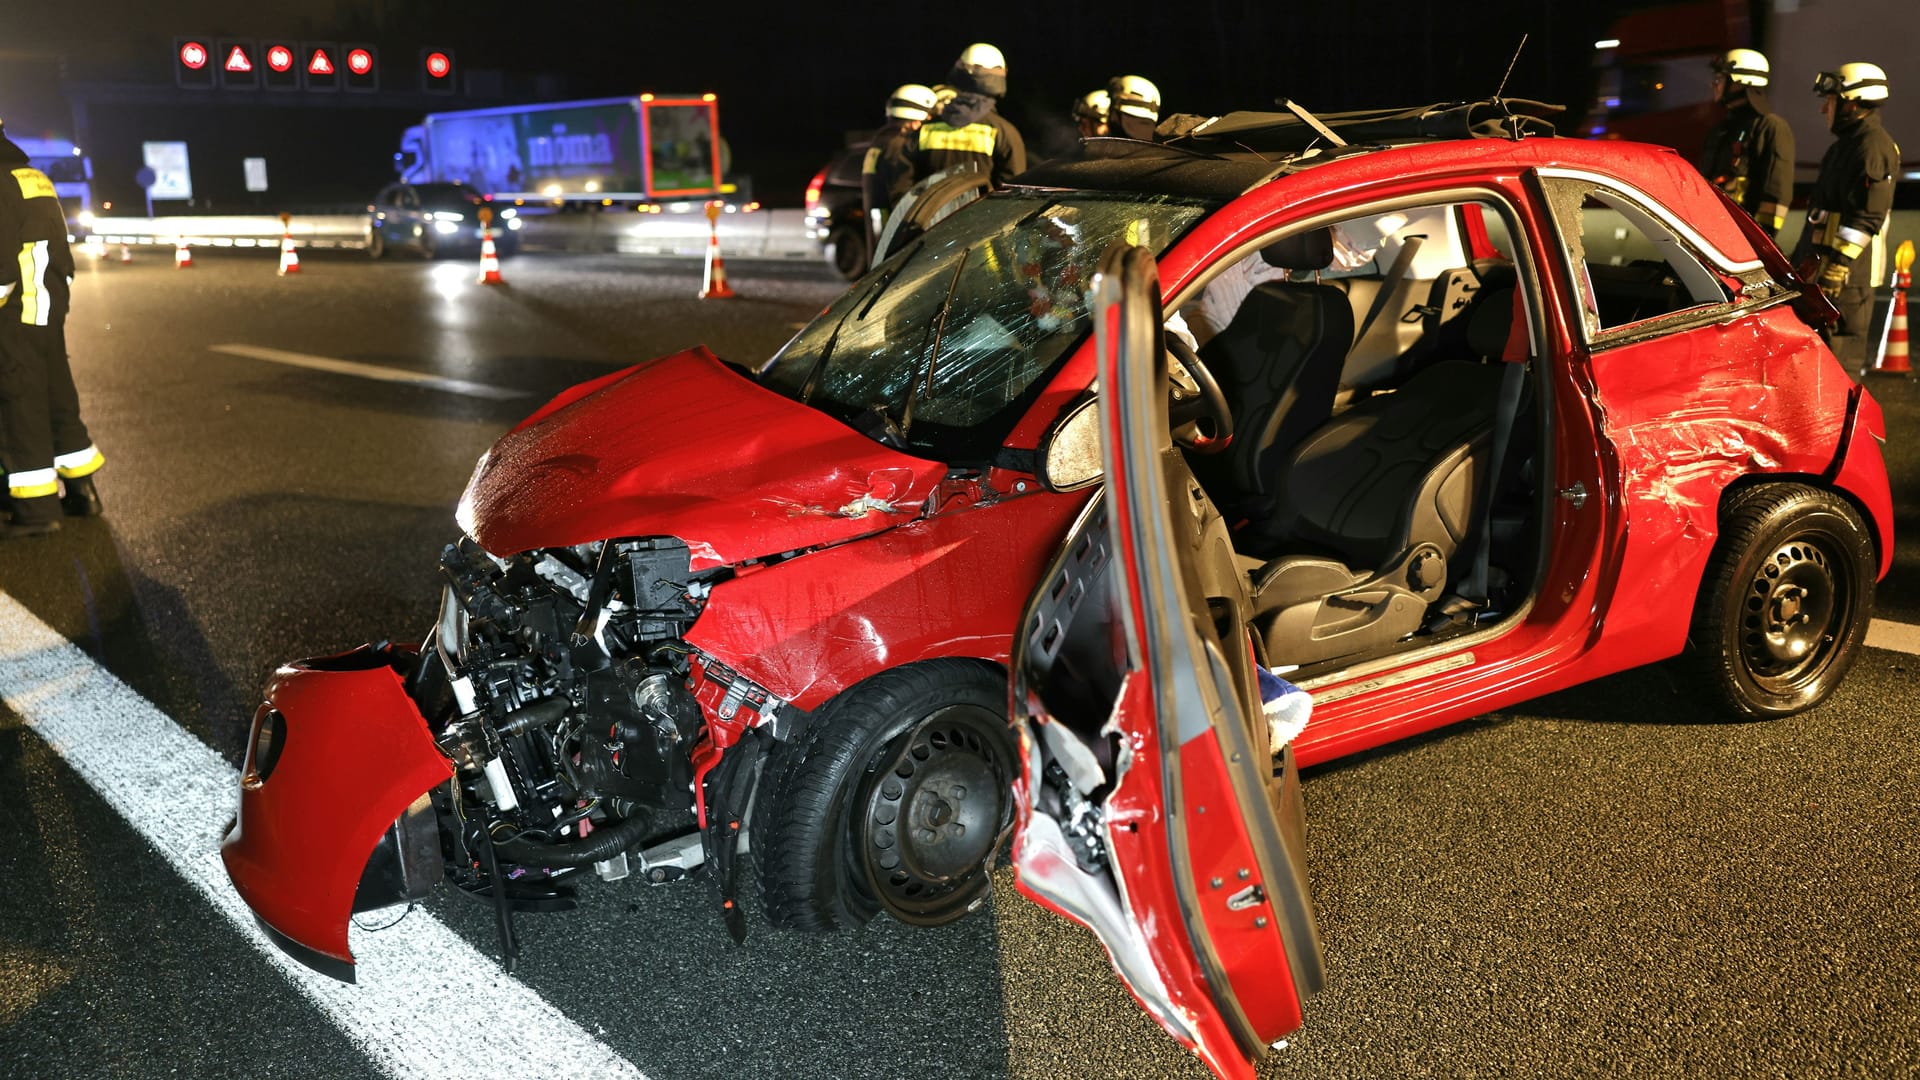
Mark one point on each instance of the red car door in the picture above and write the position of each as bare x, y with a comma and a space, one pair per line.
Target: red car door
1153, 808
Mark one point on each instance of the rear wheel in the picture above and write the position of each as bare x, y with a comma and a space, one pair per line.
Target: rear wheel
894, 799
1786, 600
848, 250
376, 243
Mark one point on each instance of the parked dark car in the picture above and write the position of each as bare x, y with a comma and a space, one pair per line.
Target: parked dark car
435, 220
836, 216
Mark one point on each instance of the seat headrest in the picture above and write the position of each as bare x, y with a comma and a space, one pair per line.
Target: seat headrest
1310, 250
1490, 323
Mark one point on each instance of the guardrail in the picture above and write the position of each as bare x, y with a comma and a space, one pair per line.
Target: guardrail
662, 230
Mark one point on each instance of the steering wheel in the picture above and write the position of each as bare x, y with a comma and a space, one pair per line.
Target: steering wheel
1202, 420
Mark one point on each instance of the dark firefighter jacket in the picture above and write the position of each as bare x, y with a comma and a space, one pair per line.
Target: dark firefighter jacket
1749, 156
36, 266
1854, 194
969, 131
887, 171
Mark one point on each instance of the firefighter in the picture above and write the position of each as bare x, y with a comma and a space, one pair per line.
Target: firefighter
1850, 202
887, 171
1090, 113
1749, 153
1135, 108
42, 441
968, 131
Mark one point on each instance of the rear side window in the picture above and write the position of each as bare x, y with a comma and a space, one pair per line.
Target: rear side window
1630, 266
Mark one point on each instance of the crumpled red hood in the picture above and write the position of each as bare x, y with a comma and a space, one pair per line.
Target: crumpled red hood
683, 446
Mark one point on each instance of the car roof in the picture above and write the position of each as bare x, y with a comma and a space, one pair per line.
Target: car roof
1224, 157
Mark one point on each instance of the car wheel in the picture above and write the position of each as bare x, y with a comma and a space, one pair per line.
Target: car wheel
429, 245
376, 244
894, 798
1786, 600
848, 250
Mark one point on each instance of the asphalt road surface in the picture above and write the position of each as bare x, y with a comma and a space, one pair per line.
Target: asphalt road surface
1602, 882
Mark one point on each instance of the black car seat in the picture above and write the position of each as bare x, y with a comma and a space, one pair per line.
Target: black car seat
1383, 495
1278, 363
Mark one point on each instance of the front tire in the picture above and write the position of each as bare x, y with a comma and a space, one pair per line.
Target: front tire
376, 243
894, 798
1786, 601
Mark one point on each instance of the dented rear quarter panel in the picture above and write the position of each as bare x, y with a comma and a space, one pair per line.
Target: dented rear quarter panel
1688, 414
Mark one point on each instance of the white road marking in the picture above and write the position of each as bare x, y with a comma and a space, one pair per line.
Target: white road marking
428, 1004
1899, 636
370, 371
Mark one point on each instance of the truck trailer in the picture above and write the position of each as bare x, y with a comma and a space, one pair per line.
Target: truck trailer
641, 148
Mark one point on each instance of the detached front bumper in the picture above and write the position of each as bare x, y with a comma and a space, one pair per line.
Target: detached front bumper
335, 815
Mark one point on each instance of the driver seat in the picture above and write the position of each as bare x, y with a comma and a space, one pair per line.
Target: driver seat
1278, 364
1388, 492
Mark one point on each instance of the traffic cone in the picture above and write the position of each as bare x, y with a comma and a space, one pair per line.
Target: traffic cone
126, 253
289, 255
715, 286
182, 254
489, 259
1894, 360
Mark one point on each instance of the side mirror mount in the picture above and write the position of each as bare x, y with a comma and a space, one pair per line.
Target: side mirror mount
1069, 454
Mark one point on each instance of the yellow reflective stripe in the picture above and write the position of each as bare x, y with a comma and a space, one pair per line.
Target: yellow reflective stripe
972, 139
33, 271
32, 484
33, 184
871, 162
1771, 211
79, 463
1851, 242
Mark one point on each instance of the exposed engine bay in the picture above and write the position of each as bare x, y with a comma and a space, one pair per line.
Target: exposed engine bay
557, 683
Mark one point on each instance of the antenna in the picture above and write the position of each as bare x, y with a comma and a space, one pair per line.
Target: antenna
1510, 65
1499, 99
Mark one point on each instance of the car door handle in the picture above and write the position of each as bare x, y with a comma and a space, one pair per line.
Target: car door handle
1577, 494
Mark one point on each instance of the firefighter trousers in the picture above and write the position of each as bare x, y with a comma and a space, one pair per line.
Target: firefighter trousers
40, 426
1848, 337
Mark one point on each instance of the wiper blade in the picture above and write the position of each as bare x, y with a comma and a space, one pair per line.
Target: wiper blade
933, 355
886, 279
819, 367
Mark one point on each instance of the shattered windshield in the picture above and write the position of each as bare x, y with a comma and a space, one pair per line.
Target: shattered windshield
939, 349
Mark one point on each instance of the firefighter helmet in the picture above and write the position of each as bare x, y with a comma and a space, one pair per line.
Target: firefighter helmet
1092, 105
1743, 67
911, 102
942, 93
981, 69
1854, 82
1135, 96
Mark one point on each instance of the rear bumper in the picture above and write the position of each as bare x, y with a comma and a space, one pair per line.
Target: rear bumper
342, 821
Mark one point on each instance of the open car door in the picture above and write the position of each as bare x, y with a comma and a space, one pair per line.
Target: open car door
1154, 807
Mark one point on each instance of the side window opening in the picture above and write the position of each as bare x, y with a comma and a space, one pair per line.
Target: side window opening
1630, 267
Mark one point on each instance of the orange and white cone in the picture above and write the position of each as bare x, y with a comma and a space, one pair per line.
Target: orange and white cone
126, 253
289, 256
489, 259
714, 286
1894, 359
182, 254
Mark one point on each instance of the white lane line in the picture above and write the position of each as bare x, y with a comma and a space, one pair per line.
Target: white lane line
1899, 636
423, 988
370, 371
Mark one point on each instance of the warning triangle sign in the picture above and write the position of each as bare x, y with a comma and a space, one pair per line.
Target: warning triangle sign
321, 64
237, 60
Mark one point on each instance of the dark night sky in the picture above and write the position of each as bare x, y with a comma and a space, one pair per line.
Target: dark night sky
792, 79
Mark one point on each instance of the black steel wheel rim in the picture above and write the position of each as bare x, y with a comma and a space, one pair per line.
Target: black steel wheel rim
931, 813
1797, 603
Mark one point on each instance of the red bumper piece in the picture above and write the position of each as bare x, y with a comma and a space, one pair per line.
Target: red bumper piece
354, 753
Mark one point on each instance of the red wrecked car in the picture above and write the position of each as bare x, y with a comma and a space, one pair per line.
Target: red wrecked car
1455, 413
